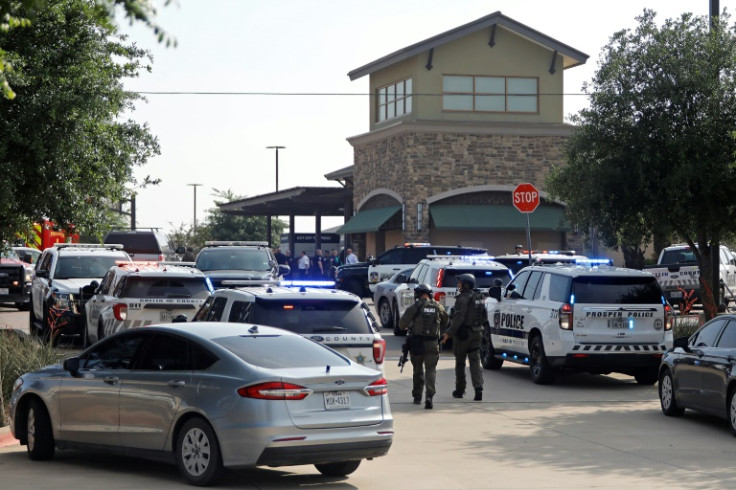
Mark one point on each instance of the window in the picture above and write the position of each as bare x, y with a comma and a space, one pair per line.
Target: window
167, 353
394, 100
164, 287
490, 94
706, 336
211, 310
311, 316
559, 288
616, 290
517, 286
728, 337
116, 353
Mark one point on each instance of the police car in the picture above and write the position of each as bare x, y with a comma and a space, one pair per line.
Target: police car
517, 261
136, 294
597, 319
337, 319
440, 272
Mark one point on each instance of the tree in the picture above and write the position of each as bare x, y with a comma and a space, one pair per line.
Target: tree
65, 151
654, 152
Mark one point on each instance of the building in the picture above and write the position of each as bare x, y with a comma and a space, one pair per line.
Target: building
456, 122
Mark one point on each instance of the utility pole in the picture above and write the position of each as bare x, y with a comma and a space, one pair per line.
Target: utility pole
194, 221
268, 218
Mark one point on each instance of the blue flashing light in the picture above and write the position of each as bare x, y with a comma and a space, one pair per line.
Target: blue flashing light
516, 357
664, 301
594, 262
572, 299
504, 355
631, 324
526, 360
313, 284
209, 285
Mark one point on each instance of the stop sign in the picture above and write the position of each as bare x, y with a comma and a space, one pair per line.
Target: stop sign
525, 198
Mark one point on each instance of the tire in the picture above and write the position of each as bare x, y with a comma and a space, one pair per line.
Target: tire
646, 378
487, 353
541, 372
32, 321
198, 453
732, 410
667, 397
85, 336
23, 306
385, 313
39, 435
342, 468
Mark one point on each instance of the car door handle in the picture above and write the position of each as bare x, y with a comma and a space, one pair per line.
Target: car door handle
111, 380
175, 383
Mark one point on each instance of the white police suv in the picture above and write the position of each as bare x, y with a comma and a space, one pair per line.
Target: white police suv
597, 319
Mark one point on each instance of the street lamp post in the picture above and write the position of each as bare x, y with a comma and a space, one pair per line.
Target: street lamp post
277, 148
194, 222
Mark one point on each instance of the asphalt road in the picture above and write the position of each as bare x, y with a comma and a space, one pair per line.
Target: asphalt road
582, 432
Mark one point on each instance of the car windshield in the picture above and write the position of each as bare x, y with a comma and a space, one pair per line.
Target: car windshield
616, 290
166, 287
305, 316
678, 256
247, 259
71, 267
484, 278
281, 351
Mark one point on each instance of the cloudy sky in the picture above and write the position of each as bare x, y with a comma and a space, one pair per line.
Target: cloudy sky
277, 71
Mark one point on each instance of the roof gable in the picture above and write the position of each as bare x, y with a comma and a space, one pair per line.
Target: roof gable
571, 57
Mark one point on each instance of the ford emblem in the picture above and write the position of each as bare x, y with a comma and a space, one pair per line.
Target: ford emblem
317, 338
340, 382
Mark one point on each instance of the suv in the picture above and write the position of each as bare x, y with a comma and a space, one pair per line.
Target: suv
440, 273
361, 278
595, 319
15, 279
61, 286
150, 245
336, 319
231, 264
516, 262
135, 294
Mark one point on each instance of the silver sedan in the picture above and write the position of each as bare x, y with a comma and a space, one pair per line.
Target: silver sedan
206, 396
384, 298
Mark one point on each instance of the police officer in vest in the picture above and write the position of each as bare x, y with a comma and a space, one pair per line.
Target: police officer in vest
466, 330
424, 320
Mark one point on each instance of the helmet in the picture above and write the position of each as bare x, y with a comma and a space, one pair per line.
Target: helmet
422, 289
467, 280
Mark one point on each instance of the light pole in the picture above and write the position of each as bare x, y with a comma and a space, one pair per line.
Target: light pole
194, 222
277, 148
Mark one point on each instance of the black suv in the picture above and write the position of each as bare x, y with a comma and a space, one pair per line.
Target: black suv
362, 277
237, 263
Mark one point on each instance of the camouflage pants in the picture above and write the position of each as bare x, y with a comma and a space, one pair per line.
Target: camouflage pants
425, 365
469, 348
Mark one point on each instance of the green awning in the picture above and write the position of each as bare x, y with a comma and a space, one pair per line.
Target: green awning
368, 220
497, 217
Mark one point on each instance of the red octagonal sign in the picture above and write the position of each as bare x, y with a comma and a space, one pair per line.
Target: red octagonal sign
526, 198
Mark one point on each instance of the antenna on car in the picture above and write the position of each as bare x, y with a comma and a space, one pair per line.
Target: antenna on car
253, 329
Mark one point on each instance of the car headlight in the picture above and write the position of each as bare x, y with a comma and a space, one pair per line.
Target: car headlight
29, 275
62, 300
18, 383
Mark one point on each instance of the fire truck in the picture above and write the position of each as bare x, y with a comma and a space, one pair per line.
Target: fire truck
44, 235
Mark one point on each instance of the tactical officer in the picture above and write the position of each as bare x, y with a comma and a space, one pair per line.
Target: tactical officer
424, 320
466, 330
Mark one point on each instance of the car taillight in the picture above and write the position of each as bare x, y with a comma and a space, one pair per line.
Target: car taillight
669, 318
440, 278
440, 297
566, 317
274, 390
161, 257
377, 388
379, 350
120, 311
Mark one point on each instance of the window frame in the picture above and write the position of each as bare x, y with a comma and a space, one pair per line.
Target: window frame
390, 96
506, 94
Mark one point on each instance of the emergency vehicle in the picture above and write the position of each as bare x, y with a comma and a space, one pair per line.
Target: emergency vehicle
135, 294
45, 235
597, 319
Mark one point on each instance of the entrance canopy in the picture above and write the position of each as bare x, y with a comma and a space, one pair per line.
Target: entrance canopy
298, 201
368, 220
479, 217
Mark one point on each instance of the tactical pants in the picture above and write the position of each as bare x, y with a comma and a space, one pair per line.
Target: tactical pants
427, 361
469, 348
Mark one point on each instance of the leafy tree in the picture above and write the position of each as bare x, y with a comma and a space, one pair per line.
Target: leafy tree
65, 151
653, 155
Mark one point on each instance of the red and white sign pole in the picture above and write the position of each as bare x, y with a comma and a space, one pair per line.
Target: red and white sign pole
526, 199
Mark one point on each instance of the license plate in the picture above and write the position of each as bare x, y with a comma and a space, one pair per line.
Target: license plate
337, 400
618, 323
676, 294
4, 291
166, 316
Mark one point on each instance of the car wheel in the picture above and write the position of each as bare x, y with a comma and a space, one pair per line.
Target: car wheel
337, 469
385, 313
39, 436
487, 353
542, 373
648, 377
198, 453
667, 397
23, 306
732, 410
100, 331
85, 336
32, 321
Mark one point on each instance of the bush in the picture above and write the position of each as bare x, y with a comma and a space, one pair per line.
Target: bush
20, 354
686, 325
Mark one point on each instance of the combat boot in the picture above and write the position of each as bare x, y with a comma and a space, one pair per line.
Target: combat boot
417, 400
428, 403
478, 394
457, 394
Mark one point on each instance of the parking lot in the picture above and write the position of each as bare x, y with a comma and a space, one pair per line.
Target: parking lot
582, 432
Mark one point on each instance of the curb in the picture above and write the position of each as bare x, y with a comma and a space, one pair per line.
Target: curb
6, 438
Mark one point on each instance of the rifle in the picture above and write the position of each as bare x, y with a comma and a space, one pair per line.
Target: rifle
404, 354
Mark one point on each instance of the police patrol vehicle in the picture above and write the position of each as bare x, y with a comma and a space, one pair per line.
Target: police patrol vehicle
136, 294
597, 319
440, 272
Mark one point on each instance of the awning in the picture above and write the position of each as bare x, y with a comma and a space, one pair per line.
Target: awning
497, 217
368, 220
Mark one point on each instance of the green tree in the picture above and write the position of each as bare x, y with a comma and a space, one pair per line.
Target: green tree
654, 152
231, 227
66, 152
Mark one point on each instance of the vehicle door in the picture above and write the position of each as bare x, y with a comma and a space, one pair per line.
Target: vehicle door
153, 390
212, 310
40, 285
508, 331
717, 364
405, 292
386, 265
688, 367
89, 401
100, 300
728, 272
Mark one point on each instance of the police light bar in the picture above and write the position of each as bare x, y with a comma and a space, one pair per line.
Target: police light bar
308, 284
417, 244
248, 282
234, 243
593, 262
108, 246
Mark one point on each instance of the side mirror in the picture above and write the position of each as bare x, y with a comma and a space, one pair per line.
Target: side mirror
42, 273
373, 261
284, 269
179, 319
90, 288
72, 365
400, 278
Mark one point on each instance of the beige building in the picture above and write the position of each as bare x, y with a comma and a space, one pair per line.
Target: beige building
457, 121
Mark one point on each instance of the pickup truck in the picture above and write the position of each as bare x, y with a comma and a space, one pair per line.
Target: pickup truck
678, 274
